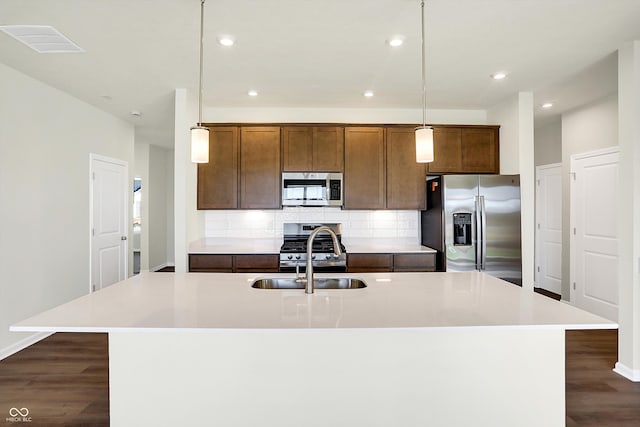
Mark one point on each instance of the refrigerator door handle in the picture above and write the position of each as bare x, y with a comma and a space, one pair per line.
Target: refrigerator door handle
483, 216
478, 236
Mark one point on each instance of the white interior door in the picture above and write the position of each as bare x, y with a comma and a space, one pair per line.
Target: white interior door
109, 221
594, 234
549, 227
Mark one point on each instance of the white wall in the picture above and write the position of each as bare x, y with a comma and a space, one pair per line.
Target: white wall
548, 142
141, 170
587, 128
160, 202
515, 117
342, 115
629, 211
45, 140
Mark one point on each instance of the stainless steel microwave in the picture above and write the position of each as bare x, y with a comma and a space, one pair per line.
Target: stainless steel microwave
311, 189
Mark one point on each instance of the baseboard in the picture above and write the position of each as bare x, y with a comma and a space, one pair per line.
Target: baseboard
23, 343
628, 373
161, 266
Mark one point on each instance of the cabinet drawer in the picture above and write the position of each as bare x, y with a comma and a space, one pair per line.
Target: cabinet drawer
211, 263
362, 263
414, 262
250, 263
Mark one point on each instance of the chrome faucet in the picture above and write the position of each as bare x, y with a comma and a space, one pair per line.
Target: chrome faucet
309, 270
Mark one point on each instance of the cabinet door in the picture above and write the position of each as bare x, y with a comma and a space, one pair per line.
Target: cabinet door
328, 149
212, 263
363, 263
256, 263
364, 168
447, 149
297, 149
260, 168
480, 150
414, 262
218, 179
406, 185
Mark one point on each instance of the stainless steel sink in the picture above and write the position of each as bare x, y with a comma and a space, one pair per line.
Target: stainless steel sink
320, 283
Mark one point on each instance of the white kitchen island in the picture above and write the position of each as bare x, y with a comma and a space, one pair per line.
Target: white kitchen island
410, 349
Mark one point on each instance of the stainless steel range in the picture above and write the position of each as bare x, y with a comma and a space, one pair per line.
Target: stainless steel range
294, 249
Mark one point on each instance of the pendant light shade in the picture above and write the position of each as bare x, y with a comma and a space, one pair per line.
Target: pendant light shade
199, 144
424, 144
199, 133
424, 134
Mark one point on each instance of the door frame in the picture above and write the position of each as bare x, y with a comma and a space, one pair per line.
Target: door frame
572, 214
125, 194
538, 237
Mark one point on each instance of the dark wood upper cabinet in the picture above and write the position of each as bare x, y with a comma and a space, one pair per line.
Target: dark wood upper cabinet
218, 179
318, 149
260, 167
465, 149
480, 152
406, 179
447, 148
328, 149
364, 168
297, 148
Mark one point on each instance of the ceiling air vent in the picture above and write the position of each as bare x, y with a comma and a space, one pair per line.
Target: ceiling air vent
42, 38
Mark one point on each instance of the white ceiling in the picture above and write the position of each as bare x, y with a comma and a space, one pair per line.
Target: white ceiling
323, 53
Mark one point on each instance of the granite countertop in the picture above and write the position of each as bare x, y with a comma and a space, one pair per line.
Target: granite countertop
226, 301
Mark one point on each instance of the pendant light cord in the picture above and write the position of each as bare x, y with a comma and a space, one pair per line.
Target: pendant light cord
424, 80
201, 56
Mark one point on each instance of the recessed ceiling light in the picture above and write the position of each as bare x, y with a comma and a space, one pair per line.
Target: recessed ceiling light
547, 105
499, 75
42, 38
368, 93
252, 93
226, 40
395, 41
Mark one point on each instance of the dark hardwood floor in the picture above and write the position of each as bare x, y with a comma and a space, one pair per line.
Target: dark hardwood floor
597, 396
64, 379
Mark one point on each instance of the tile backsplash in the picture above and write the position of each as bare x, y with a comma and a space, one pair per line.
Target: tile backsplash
355, 224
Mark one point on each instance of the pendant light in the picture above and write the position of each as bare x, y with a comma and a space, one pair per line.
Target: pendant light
424, 133
199, 133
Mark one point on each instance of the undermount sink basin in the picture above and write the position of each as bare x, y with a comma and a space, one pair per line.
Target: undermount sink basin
320, 283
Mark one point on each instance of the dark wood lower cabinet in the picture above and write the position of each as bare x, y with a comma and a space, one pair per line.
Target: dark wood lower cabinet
414, 262
211, 263
380, 263
256, 263
222, 263
369, 263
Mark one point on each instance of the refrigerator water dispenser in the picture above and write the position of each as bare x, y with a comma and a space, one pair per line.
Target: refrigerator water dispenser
462, 229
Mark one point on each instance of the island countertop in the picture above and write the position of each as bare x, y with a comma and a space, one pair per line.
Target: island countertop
225, 301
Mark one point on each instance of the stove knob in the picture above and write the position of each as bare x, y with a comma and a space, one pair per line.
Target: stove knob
290, 257
297, 256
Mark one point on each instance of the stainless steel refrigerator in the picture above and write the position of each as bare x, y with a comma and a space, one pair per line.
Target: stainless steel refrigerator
473, 221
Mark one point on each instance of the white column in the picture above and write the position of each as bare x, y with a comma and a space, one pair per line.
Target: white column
515, 117
181, 157
629, 211
526, 162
